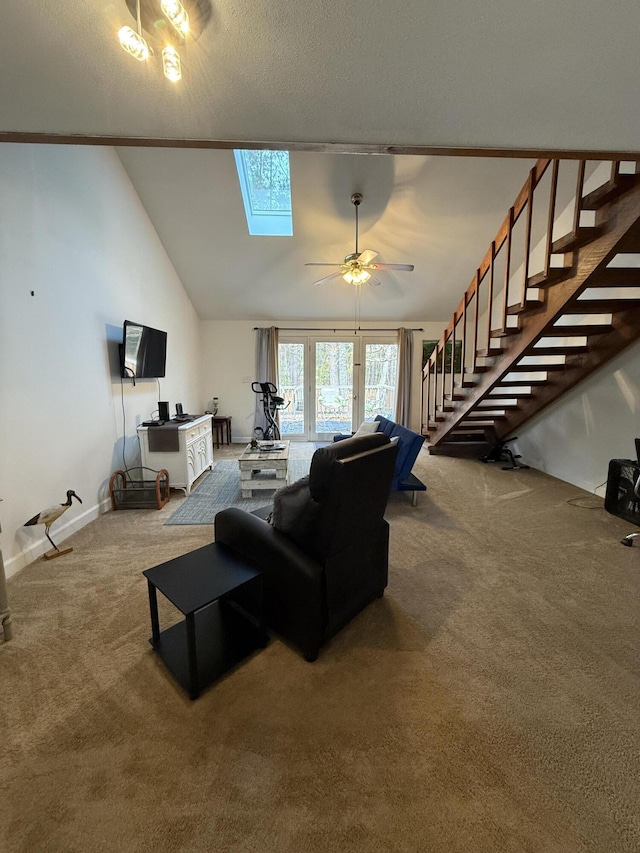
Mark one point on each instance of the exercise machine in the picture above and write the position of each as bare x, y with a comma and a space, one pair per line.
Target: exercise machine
271, 403
501, 453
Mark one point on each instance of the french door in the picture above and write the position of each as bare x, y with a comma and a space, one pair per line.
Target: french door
332, 383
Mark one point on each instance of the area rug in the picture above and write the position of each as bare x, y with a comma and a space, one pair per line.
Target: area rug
221, 489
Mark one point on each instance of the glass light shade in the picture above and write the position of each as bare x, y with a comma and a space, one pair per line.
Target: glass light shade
133, 43
356, 276
177, 15
171, 64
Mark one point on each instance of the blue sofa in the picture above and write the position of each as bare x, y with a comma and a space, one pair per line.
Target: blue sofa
409, 444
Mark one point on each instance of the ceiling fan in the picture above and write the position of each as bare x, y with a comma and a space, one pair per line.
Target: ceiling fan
358, 267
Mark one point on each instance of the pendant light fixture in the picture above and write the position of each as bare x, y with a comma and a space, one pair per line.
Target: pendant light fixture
185, 25
188, 19
171, 64
177, 15
134, 42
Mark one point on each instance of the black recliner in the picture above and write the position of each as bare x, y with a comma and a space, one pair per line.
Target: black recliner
334, 559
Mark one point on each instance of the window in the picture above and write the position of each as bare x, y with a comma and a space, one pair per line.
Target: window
331, 384
265, 183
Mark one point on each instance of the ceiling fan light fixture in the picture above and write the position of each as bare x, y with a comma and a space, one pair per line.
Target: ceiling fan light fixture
356, 276
171, 64
134, 43
177, 16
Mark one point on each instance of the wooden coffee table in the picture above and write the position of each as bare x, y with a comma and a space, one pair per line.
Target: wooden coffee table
256, 465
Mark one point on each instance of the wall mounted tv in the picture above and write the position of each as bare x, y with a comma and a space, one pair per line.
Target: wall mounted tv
144, 351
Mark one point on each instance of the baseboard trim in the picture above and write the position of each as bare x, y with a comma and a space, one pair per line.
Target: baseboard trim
35, 549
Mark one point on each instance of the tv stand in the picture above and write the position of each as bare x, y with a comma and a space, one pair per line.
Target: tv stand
193, 456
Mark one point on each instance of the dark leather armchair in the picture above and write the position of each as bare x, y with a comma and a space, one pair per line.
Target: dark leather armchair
334, 561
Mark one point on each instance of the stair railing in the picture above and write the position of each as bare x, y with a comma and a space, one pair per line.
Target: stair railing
503, 285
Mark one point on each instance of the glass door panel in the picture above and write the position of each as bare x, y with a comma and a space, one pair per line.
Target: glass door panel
333, 388
381, 379
291, 387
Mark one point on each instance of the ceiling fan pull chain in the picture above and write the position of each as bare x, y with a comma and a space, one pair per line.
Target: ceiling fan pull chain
356, 206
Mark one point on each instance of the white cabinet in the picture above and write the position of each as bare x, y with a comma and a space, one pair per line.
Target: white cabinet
193, 456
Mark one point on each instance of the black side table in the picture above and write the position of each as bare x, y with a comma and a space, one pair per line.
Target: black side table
222, 601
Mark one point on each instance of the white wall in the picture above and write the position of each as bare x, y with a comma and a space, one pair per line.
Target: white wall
78, 255
575, 438
229, 348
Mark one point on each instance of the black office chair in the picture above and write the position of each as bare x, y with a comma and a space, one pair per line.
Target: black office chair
622, 497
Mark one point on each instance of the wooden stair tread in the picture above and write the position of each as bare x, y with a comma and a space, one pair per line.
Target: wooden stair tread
543, 279
576, 239
504, 333
529, 305
519, 396
534, 368
501, 407
615, 277
479, 415
608, 192
582, 329
559, 350
514, 382
488, 352
602, 306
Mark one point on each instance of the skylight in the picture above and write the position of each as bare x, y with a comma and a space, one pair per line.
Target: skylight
265, 183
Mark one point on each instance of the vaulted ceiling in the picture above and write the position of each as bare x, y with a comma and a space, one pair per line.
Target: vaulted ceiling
322, 78
439, 213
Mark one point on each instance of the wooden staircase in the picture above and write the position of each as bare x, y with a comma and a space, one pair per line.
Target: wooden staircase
520, 339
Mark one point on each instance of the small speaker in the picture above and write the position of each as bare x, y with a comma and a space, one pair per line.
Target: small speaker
163, 411
179, 412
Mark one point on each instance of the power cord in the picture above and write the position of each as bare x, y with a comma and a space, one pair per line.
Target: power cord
575, 501
124, 428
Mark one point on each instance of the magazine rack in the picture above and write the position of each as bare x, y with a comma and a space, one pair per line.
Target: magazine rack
129, 493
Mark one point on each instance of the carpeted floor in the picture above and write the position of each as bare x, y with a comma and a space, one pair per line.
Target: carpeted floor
488, 703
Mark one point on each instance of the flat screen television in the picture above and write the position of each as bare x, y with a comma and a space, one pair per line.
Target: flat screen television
144, 351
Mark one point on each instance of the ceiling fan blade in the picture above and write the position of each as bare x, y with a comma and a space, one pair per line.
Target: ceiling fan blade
327, 278
321, 264
373, 281
367, 256
405, 267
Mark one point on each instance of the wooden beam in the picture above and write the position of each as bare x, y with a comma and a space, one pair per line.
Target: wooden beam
319, 147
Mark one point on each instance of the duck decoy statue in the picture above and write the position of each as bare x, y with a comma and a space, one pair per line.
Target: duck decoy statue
48, 516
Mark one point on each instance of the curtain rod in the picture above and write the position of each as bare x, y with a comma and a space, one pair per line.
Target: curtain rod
315, 329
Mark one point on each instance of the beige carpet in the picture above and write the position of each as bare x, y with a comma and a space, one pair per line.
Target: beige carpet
488, 703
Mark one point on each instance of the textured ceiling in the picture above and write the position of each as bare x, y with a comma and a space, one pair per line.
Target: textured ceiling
499, 75
494, 74
439, 213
